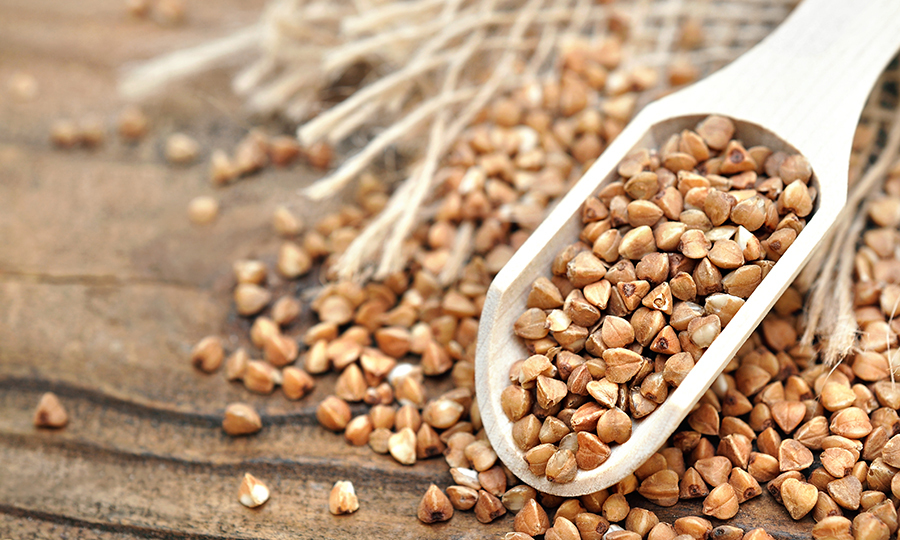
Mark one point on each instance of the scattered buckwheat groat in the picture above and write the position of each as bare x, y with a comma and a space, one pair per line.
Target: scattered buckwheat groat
181, 149
64, 133
133, 124
50, 412
207, 354
241, 419
342, 499
667, 255
434, 506
203, 210
252, 492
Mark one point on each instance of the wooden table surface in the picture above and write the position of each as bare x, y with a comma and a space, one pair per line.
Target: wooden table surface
105, 286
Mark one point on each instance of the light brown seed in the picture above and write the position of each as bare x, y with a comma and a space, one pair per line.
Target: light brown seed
358, 430
296, 383
236, 364
621, 364
736, 447
428, 443
647, 323
553, 430
593, 526
442, 413
745, 486
285, 310
616, 508
181, 149
793, 456
544, 295
481, 455
526, 432
407, 417
704, 330
260, 377
378, 440
798, 497
252, 492
493, 480
293, 260
852, 423
788, 414
132, 124
637, 242
463, 498
705, 419
549, 391
677, 367
516, 402
727, 532
837, 461
693, 526
280, 350
694, 244
286, 223
250, 271
832, 527
488, 507
343, 499
616, 332
434, 506
585, 268
721, 503
333, 413
726, 254
208, 354
614, 426
50, 413
402, 446
846, 492
250, 298
714, 470
692, 485
825, 507
795, 167
890, 453
262, 330
661, 488
836, 396
562, 467
716, 131
241, 419
592, 452
532, 324
517, 497
531, 519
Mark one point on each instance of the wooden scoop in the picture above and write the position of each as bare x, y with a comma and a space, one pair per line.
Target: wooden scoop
800, 90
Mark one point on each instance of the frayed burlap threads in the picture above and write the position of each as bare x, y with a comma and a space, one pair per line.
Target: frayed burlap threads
829, 276
440, 49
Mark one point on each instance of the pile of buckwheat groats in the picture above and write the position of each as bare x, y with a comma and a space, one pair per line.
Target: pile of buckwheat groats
768, 419
667, 255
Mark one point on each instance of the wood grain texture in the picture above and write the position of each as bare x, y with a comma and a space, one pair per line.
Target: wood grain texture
104, 287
